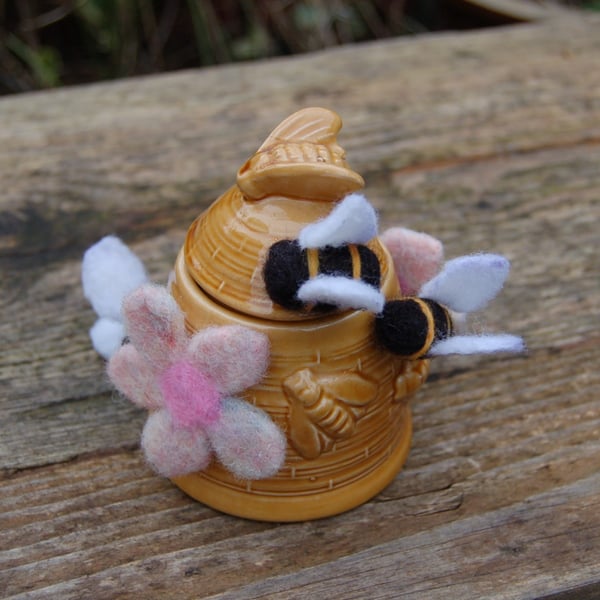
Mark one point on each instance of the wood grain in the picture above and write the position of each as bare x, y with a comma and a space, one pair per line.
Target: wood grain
488, 140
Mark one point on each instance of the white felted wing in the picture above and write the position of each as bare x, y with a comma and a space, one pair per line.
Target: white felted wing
110, 270
467, 283
352, 221
477, 344
342, 292
107, 336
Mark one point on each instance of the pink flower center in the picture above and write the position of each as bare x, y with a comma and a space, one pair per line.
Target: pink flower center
190, 396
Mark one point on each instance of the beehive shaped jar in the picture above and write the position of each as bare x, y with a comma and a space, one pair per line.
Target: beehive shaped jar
340, 399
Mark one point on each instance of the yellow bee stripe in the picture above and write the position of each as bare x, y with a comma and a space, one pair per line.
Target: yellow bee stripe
430, 330
312, 257
355, 256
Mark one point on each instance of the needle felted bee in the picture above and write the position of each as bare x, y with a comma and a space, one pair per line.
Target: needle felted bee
346, 267
328, 267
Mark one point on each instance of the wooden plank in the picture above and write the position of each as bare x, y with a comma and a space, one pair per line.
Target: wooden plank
98, 524
549, 542
465, 140
540, 210
145, 155
106, 527
94, 160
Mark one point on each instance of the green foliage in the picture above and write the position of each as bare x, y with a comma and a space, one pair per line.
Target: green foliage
45, 43
43, 62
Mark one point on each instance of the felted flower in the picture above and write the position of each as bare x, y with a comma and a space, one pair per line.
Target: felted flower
189, 384
417, 257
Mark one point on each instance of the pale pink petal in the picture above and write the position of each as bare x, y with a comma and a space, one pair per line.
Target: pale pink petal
155, 325
172, 452
189, 395
417, 257
133, 377
247, 441
234, 357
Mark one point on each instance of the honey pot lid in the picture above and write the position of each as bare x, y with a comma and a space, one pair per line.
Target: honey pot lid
301, 159
293, 179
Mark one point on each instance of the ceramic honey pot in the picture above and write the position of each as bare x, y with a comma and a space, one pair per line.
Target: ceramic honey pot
278, 366
340, 399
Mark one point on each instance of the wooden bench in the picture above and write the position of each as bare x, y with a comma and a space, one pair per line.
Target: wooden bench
488, 140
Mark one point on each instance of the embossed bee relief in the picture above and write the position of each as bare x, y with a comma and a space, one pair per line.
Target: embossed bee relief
325, 409
289, 260
410, 378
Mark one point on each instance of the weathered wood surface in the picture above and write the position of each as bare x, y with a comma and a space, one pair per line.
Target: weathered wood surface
488, 140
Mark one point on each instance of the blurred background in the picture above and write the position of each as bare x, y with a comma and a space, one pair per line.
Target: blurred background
49, 43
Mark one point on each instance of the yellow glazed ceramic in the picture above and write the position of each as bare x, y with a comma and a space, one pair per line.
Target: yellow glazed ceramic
340, 399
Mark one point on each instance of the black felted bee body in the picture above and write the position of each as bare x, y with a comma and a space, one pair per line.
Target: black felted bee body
288, 267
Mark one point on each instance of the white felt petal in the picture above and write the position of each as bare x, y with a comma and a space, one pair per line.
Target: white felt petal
235, 357
155, 324
352, 221
247, 441
107, 336
342, 292
110, 270
478, 344
173, 452
468, 283
134, 377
